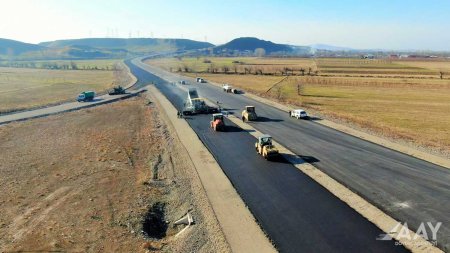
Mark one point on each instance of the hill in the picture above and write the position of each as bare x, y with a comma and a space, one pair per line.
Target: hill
14, 47
132, 45
93, 48
250, 44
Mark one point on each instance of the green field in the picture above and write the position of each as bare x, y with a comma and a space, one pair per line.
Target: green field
400, 99
24, 88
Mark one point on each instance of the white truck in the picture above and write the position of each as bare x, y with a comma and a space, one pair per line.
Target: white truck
299, 114
228, 89
200, 80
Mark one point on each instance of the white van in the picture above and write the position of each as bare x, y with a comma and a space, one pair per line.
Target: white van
299, 114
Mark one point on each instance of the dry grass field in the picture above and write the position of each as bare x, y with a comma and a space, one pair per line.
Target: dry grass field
112, 178
24, 88
401, 99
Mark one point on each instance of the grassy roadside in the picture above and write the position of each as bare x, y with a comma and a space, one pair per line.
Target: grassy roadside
25, 88
411, 108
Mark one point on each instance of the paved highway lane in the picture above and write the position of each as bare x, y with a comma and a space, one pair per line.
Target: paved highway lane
408, 189
297, 213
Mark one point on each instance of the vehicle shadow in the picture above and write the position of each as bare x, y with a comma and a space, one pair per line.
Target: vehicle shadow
233, 129
309, 159
300, 159
264, 119
279, 159
97, 99
314, 118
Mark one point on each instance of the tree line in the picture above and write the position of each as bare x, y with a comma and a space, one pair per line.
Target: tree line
55, 65
249, 70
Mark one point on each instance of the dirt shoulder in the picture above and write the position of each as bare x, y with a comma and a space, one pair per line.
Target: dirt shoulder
110, 178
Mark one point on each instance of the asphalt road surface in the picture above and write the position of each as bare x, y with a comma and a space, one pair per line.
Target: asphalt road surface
298, 214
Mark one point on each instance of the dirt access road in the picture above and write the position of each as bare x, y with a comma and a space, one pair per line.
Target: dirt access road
94, 179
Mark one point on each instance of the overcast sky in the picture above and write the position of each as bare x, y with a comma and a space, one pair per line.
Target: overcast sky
393, 24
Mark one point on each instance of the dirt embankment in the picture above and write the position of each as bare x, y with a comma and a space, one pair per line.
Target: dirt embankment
111, 178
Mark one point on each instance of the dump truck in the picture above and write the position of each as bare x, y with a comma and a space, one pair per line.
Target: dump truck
86, 96
217, 123
195, 105
265, 147
118, 90
249, 113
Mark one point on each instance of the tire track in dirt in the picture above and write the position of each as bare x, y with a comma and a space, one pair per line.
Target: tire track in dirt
26, 222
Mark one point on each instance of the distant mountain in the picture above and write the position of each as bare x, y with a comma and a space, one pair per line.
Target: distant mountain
93, 48
132, 45
330, 47
250, 44
14, 47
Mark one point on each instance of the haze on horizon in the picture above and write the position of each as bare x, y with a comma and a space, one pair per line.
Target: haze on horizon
397, 25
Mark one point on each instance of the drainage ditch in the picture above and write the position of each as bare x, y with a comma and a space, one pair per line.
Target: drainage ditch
155, 225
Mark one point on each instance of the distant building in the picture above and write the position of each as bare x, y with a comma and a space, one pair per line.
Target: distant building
368, 56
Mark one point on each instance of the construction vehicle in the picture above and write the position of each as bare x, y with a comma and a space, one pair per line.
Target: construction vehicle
265, 147
86, 96
195, 105
249, 114
217, 123
118, 90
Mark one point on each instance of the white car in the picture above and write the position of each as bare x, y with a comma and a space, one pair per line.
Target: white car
299, 114
226, 87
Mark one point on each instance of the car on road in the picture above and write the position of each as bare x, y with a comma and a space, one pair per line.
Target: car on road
182, 82
227, 88
299, 114
200, 80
